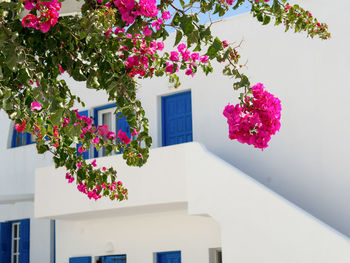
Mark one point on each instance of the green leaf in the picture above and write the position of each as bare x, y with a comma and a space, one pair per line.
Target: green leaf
186, 24
267, 20
178, 37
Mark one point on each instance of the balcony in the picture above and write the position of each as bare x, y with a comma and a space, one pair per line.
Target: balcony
187, 175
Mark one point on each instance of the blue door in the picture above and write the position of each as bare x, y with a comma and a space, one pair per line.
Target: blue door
113, 259
177, 118
169, 257
80, 260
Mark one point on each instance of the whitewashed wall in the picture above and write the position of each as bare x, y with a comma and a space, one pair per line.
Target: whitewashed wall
255, 223
139, 236
306, 161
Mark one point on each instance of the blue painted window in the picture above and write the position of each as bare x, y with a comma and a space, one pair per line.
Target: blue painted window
169, 257
105, 115
177, 119
80, 260
21, 138
15, 241
86, 155
113, 259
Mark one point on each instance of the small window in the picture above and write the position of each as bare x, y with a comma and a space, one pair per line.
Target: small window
168, 257
113, 259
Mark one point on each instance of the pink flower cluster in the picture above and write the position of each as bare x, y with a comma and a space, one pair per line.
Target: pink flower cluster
93, 194
70, 178
138, 63
48, 14
192, 59
257, 120
131, 9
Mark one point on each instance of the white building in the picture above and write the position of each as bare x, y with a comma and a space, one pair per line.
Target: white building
288, 203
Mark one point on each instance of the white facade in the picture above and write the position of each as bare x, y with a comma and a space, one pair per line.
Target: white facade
200, 202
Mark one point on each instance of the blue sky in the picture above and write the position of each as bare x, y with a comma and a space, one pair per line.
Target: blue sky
244, 8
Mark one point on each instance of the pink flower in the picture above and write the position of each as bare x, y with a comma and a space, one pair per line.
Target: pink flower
174, 56
110, 135
95, 140
188, 71
60, 68
256, 120
35, 106
135, 132
29, 5
195, 56
81, 149
123, 137
93, 163
157, 24
181, 47
224, 44
160, 46
108, 32
78, 165
204, 59
20, 127
103, 129
147, 31
169, 67
148, 8
70, 178
166, 15
30, 21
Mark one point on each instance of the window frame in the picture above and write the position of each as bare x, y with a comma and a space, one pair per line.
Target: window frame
112, 107
15, 254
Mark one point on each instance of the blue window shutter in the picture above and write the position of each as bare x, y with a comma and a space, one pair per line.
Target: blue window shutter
24, 138
177, 119
5, 242
169, 257
85, 154
124, 126
80, 260
24, 242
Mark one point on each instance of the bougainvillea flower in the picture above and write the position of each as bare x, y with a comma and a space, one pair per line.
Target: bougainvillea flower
35, 106
21, 127
103, 129
256, 120
123, 137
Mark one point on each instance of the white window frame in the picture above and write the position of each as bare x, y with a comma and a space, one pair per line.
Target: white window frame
113, 127
15, 250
